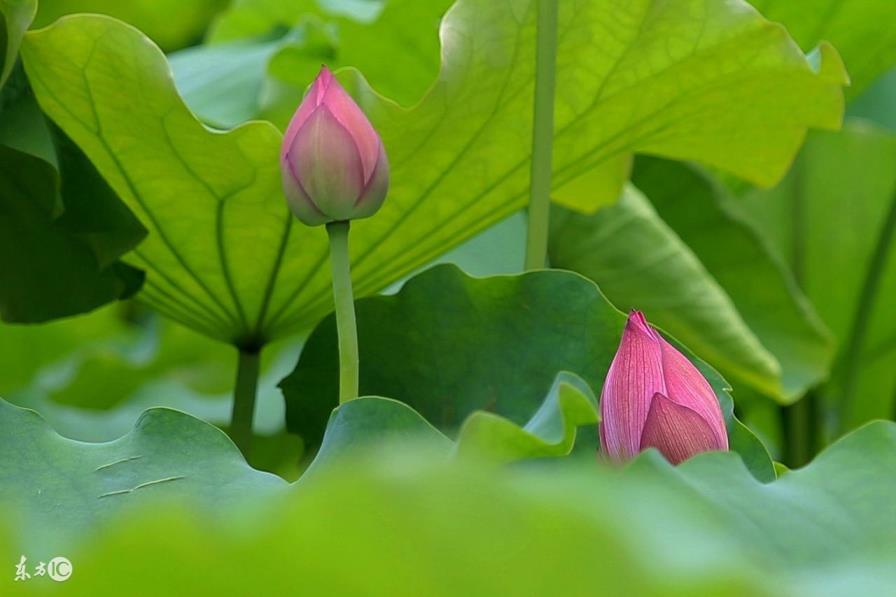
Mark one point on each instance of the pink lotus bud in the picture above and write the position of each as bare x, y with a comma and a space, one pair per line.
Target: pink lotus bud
333, 162
654, 397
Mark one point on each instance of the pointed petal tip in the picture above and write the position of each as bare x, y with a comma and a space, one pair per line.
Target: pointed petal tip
324, 76
637, 318
638, 323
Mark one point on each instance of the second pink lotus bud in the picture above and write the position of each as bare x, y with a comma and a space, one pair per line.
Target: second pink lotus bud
333, 162
654, 397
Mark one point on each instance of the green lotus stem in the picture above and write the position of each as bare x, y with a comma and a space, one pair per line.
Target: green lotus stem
345, 311
542, 136
244, 399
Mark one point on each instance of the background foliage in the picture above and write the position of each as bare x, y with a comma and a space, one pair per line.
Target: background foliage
729, 168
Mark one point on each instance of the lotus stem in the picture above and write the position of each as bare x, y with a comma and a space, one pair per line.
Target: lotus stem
345, 311
244, 393
542, 136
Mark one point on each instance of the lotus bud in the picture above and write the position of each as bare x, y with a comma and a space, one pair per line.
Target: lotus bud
654, 397
333, 162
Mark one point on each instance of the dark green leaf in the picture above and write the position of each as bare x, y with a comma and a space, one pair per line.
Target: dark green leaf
515, 333
50, 265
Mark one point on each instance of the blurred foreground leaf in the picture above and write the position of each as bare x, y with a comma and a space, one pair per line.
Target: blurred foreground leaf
410, 525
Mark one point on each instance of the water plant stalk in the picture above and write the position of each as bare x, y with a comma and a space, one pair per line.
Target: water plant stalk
344, 302
542, 136
244, 393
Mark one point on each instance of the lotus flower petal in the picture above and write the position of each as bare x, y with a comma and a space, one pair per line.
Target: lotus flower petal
333, 163
686, 386
677, 431
635, 375
326, 164
651, 384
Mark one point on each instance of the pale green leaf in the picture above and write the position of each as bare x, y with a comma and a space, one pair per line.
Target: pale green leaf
223, 256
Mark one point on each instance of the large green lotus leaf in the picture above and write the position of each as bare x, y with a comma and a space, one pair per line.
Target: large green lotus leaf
724, 293
448, 344
63, 488
223, 256
220, 233
33, 455
861, 31
834, 220
412, 526
15, 17
172, 24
